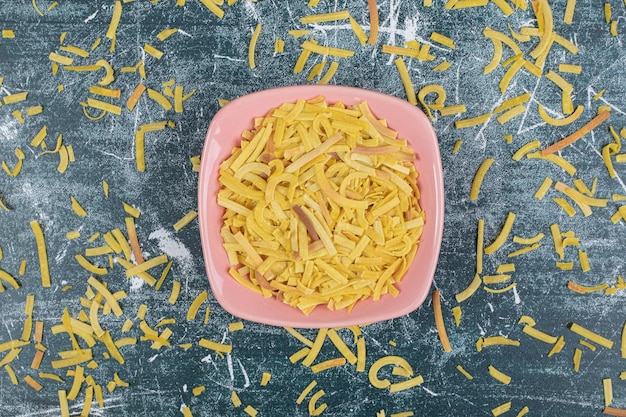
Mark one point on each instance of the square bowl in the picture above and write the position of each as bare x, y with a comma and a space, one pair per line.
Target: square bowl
224, 134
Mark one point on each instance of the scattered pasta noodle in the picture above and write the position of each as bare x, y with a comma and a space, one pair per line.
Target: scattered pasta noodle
322, 206
314, 218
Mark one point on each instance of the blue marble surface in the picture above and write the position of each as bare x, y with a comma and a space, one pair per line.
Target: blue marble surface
209, 55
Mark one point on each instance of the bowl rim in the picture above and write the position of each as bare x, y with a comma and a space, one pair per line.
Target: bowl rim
332, 93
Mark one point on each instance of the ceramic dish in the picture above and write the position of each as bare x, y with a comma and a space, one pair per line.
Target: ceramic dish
224, 134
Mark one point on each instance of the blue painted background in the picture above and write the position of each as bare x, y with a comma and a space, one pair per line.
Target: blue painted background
209, 55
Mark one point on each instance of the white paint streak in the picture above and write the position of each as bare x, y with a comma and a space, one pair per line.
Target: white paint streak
480, 133
518, 300
54, 411
229, 362
90, 17
251, 10
392, 27
228, 58
245, 374
434, 394
174, 249
130, 158
61, 255
152, 358
590, 94
610, 69
530, 100
8, 130
612, 106
136, 283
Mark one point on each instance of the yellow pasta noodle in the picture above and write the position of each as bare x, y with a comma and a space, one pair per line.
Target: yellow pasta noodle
151, 50
441, 329
480, 246
594, 337
502, 236
555, 159
325, 17
501, 409
213, 6
524, 250
185, 220
341, 346
457, 146
442, 39
314, 409
313, 193
464, 372
328, 364
316, 347
218, 347
175, 292
358, 31
159, 98
397, 362
539, 335
406, 80
479, 177
474, 121
525, 149
15, 97
326, 50
511, 113
442, 66
470, 290
498, 375
77, 208
374, 22
140, 140
252, 46
42, 253
584, 289
195, 305
568, 17
588, 127
607, 385
166, 33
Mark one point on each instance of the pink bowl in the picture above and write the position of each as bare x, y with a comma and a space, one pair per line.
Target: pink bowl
224, 133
